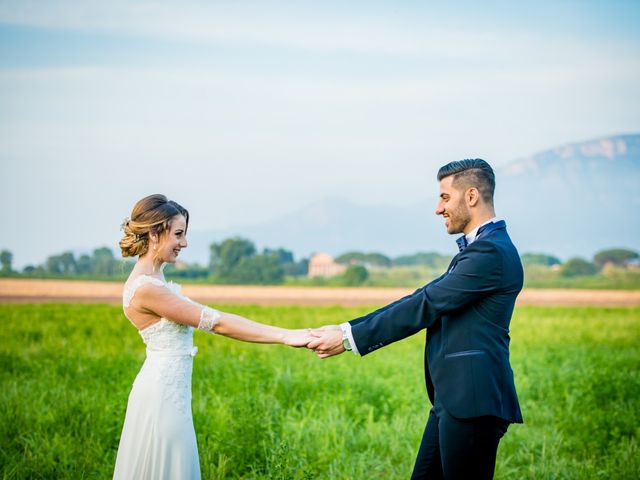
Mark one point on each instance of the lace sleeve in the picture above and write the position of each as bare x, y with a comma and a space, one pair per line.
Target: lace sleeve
209, 317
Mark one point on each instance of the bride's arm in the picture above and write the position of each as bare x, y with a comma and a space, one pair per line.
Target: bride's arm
240, 328
164, 303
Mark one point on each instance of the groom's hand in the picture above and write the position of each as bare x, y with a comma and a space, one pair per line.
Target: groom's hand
326, 341
298, 338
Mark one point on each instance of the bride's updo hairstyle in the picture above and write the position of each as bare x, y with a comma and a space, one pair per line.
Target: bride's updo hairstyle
151, 214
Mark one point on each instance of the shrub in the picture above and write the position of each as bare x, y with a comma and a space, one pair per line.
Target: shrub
355, 275
577, 266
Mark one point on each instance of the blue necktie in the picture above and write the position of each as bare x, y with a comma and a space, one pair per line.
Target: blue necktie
462, 242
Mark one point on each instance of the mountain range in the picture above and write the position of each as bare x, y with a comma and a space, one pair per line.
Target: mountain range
572, 200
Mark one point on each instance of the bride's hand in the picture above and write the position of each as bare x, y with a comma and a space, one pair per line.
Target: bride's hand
297, 338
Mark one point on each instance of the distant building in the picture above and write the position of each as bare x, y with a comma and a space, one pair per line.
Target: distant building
323, 265
634, 263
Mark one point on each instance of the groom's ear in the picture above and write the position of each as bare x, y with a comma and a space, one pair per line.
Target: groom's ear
472, 196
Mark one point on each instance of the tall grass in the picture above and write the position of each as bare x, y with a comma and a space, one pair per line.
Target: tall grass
274, 412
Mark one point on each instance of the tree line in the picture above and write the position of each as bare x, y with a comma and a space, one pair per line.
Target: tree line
100, 263
238, 261
578, 266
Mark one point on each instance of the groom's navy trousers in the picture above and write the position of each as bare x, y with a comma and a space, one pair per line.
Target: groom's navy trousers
467, 312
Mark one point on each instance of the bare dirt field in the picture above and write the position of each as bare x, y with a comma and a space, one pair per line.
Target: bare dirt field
72, 291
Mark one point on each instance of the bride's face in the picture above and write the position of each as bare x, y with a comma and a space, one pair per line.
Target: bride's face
173, 240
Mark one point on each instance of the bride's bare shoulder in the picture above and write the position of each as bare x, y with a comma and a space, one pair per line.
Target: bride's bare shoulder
141, 286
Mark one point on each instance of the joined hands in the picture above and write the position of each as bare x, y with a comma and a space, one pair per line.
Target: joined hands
326, 341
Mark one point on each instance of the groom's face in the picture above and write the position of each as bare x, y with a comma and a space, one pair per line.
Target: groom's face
453, 207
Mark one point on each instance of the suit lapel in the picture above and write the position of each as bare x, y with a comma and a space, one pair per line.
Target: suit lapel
490, 228
453, 263
485, 231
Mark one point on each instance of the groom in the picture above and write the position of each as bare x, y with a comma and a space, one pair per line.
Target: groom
466, 311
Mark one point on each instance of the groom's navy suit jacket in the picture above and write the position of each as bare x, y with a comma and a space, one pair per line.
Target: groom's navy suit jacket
466, 312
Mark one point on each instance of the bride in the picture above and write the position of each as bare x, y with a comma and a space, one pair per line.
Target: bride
158, 439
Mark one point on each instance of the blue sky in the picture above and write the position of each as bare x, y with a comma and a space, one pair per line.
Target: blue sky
243, 111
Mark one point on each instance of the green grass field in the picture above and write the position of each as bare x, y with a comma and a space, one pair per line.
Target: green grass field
274, 412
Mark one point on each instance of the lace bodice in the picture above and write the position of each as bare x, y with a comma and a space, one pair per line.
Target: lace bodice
163, 336
170, 349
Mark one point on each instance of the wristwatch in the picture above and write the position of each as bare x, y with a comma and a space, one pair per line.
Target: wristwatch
345, 341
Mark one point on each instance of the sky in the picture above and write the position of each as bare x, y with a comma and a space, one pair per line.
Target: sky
244, 111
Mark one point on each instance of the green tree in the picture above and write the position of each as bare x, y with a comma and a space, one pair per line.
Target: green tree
350, 258
53, 265
226, 255
355, 275
430, 259
6, 259
259, 269
577, 266
377, 259
192, 270
103, 262
539, 259
283, 256
84, 265
68, 263
360, 258
616, 256
234, 260
287, 261
297, 269
29, 270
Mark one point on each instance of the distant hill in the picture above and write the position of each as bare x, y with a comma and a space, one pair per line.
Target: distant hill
336, 225
572, 200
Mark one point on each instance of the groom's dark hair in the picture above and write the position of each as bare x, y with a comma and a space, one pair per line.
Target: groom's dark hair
471, 172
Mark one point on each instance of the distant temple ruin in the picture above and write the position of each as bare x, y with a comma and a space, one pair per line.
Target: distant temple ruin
323, 265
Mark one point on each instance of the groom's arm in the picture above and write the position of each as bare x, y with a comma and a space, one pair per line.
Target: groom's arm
364, 318
329, 339
477, 273
347, 326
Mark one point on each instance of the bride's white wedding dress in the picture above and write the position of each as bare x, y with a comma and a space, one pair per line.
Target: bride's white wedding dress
158, 439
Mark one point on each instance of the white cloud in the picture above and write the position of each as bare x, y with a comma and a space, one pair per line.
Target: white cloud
244, 144
260, 25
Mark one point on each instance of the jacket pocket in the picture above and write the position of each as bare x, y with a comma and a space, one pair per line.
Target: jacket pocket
464, 353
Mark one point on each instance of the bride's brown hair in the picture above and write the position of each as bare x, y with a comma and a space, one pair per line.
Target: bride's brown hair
151, 214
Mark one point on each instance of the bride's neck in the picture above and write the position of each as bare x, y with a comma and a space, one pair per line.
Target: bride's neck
147, 265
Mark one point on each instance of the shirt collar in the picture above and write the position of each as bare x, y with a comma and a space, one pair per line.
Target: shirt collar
471, 236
